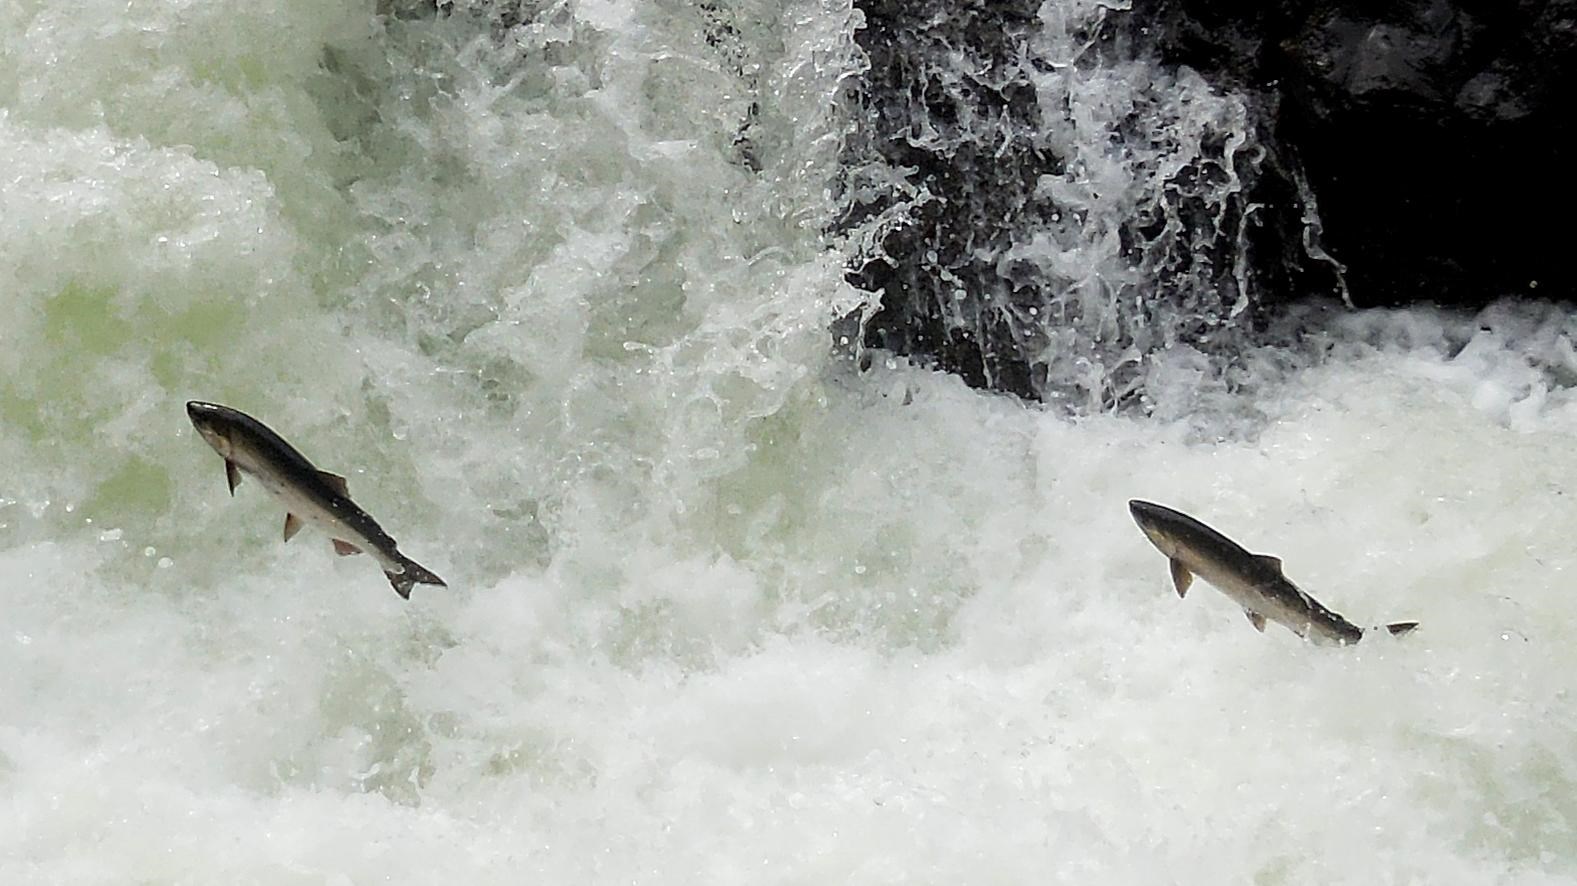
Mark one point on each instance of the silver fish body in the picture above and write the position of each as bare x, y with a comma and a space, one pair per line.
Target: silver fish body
1253, 581
310, 496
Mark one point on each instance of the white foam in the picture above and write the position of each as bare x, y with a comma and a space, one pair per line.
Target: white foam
720, 608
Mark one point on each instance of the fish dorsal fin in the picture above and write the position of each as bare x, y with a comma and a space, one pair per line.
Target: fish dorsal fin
345, 548
1181, 577
335, 481
1268, 562
1255, 619
232, 475
292, 526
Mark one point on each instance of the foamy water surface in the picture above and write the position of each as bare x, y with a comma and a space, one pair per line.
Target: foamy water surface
722, 608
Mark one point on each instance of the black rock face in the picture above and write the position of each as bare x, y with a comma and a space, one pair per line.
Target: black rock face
1391, 153
1037, 243
1436, 135
924, 92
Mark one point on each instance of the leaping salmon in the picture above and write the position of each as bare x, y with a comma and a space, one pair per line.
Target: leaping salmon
309, 495
1254, 581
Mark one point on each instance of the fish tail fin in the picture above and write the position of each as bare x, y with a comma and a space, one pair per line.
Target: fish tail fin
1399, 628
413, 574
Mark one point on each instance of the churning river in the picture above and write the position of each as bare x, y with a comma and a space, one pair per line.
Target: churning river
566, 302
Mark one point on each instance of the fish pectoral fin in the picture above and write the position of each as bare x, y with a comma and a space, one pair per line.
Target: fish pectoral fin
335, 481
1255, 619
232, 475
345, 548
1269, 562
292, 526
1181, 577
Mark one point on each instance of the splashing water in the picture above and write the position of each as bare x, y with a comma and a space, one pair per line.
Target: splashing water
552, 286
1052, 210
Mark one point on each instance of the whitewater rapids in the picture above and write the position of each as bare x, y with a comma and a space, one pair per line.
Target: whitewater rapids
723, 608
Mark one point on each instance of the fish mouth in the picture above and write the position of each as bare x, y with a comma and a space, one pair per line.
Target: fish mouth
207, 419
1146, 513
1153, 520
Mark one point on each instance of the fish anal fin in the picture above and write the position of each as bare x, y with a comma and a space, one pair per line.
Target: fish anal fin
1181, 577
345, 548
292, 526
1255, 619
335, 482
232, 475
1268, 562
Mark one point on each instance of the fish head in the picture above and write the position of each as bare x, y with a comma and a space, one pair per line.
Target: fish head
1156, 522
216, 424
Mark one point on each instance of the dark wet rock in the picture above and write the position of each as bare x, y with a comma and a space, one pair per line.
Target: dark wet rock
1436, 135
922, 95
1424, 146
990, 268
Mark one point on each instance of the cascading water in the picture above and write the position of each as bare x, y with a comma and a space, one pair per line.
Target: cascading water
559, 287
1053, 208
